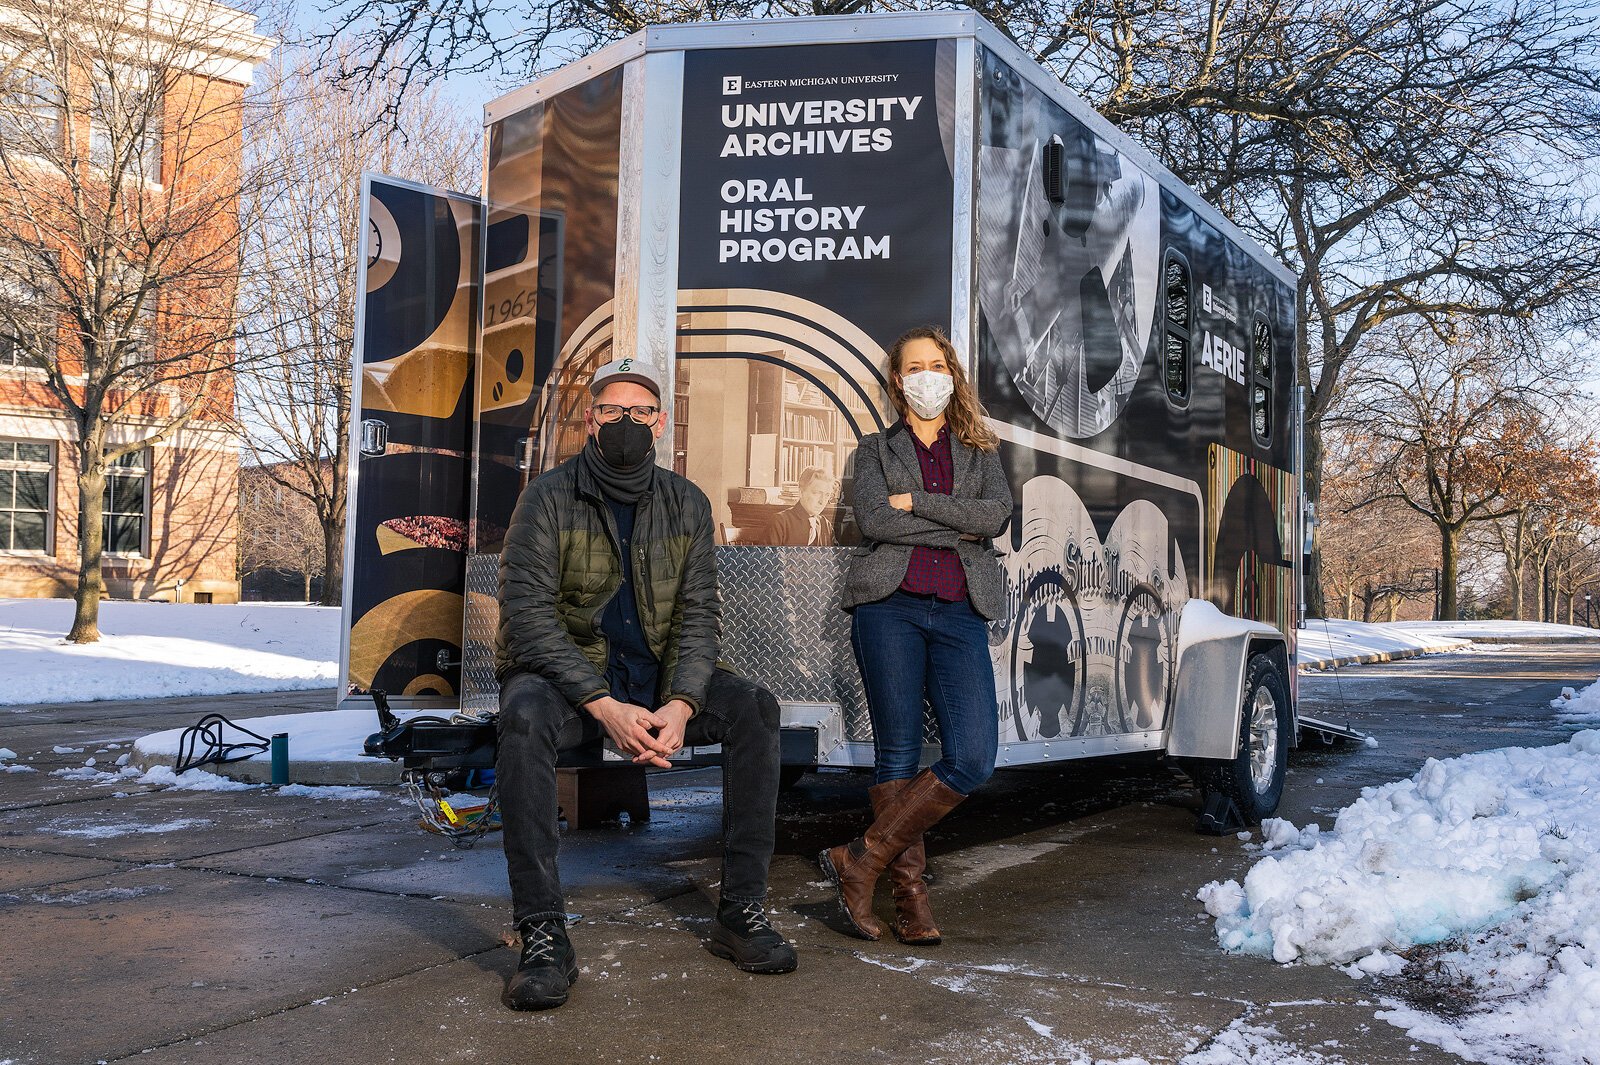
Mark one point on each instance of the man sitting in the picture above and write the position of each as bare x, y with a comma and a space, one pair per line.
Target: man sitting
609, 623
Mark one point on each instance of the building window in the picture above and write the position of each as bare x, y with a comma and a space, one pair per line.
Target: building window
125, 121
30, 111
127, 499
1175, 342
26, 468
1261, 383
25, 338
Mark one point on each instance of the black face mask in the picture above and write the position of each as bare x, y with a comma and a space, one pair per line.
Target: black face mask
624, 443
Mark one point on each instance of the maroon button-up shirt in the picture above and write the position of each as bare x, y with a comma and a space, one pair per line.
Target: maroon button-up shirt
935, 570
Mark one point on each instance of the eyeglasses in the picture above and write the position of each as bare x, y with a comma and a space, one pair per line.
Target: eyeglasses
605, 413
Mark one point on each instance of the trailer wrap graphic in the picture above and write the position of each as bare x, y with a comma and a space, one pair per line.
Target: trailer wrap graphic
549, 278
1118, 342
814, 228
404, 583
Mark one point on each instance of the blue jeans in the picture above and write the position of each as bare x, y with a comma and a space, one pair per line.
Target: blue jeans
912, 649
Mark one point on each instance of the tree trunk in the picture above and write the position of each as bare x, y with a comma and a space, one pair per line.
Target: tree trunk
1514, 588
305, 586
332, 563
91, 537
1449, 563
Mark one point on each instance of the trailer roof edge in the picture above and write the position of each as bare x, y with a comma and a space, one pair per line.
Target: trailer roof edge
563, 78
815, 29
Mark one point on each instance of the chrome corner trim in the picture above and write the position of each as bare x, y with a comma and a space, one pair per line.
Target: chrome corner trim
630, 189
353, 474
661, 161
963, 229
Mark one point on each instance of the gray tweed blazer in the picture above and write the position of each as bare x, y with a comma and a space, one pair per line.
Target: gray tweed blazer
979, 506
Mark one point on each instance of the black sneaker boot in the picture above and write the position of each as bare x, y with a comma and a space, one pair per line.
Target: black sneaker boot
547, 969
744, 935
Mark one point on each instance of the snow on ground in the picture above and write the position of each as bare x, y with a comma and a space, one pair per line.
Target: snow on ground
322, 736
1494, 631
1494, 856
162, 776
1323, 640
1243, 1043
152, 650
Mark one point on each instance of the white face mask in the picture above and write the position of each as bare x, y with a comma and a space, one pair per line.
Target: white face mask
928, 392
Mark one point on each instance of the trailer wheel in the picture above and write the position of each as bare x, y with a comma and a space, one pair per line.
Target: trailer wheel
1254, 778
789, 776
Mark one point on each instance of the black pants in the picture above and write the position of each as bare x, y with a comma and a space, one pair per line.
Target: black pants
537, 723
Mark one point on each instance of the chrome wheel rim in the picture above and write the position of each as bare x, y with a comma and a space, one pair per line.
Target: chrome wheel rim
1263, 739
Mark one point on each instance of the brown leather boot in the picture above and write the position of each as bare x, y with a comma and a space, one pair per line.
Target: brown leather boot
913, 917
854, 867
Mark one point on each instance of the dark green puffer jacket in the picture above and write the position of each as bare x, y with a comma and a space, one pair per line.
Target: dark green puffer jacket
560, 567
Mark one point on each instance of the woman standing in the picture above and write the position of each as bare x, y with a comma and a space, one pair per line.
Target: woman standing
928, 495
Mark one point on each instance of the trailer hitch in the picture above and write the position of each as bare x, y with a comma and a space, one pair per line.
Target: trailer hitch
438, 754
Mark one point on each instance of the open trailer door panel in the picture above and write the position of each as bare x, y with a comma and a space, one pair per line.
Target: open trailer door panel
407, 523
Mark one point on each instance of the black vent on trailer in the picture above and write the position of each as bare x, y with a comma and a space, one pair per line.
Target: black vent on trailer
1178, 328
1261, 383
1055, 189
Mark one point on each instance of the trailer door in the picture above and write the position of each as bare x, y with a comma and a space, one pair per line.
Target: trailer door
406, 529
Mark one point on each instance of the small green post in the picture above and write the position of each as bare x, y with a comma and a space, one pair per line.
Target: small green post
280, 759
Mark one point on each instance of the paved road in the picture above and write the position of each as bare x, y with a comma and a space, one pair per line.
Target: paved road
251, 926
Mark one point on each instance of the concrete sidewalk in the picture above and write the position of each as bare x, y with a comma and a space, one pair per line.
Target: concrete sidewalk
169, 926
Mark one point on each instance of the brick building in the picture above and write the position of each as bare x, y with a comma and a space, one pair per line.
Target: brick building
171, 509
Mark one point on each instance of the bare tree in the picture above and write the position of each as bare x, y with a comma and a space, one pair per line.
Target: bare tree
1378, 554
300, 287
120, 178
1553, 495
278, 530
1413, 160
1452, 430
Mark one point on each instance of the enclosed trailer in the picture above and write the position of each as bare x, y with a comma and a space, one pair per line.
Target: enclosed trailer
759, 209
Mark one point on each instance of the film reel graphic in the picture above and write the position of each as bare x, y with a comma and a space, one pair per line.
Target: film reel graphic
1145, 644
1088, 645
1046, 659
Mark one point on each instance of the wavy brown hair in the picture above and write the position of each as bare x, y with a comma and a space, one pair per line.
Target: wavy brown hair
964, 414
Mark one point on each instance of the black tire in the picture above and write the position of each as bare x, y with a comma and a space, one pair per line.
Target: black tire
789, 776
1254, 778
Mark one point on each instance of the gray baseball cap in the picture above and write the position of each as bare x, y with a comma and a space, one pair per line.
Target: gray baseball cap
631, 369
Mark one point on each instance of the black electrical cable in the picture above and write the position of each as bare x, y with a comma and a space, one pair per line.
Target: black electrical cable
217, 750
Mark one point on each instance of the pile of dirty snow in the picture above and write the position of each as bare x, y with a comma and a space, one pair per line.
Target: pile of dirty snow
1496, 852
1580, 708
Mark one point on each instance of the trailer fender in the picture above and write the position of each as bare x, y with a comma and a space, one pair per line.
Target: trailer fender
1214, 650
